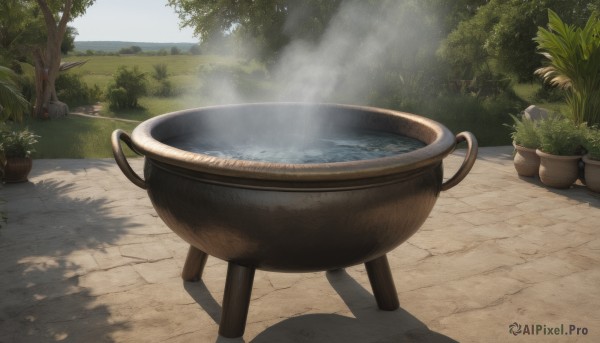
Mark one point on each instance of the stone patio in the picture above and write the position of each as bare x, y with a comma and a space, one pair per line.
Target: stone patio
84, 258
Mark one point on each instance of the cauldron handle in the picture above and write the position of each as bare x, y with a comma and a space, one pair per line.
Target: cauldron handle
470, 158
116, 137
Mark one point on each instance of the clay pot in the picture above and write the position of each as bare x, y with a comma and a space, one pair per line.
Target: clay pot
526, 161
558, 171
17, 169
592, 174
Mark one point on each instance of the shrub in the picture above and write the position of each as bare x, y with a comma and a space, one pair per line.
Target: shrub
130, 50
195, 49
17, 143
71, 89
548, 93
160, 71
525, 133
560, 136
164, 89
128, 86
592, 143
117, 97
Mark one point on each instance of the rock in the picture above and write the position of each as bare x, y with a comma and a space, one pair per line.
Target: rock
535, 113
57, 109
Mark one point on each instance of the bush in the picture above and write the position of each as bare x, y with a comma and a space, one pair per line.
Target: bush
17, 143
71, 89
130, 50
128, 86
164, 89
561, 136
160, 71
592, 143
548, 93
195, 49
117, 97
525, 133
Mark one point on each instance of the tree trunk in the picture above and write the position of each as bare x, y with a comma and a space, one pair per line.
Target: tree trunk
40, 84
47, 63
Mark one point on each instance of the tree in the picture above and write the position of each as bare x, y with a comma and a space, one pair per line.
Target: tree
19, 31
573, 63
56, 14
195, 49
68, 43
268, 24
134, 49
500, 35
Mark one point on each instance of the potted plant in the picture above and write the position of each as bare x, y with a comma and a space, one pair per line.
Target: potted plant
526, 141
16, 148
592, 159
560, 151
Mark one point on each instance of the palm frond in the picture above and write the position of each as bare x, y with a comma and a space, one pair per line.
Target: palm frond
573, 63
12, 103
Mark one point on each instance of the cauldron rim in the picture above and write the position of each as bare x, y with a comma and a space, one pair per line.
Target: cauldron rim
146, 144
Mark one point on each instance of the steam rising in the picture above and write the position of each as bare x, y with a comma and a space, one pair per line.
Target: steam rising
348, 64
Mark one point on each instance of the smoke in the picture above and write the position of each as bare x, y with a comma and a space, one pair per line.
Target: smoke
367, 48
355, 41
365, 44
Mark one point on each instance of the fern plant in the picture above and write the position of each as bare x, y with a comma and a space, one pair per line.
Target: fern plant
592, 143
525, 132
559, 136
17, 143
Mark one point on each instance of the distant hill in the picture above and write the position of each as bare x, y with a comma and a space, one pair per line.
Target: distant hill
115, 46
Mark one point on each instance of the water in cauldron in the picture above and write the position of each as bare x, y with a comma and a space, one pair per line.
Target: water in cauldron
330, 147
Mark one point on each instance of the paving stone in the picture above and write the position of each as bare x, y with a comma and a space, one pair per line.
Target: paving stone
85, 258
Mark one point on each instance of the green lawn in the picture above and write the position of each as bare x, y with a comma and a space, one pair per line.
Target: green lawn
77, 137
177, 64
526, 91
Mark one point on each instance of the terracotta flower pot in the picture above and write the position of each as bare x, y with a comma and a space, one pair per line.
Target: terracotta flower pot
558, 171
17, 169
592, 174
526, 161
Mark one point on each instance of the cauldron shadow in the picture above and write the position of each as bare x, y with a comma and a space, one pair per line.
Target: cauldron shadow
368, 325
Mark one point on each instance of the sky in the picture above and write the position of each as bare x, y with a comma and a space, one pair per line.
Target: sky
131, 21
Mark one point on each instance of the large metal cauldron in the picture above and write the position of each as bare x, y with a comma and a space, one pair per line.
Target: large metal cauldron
290, 217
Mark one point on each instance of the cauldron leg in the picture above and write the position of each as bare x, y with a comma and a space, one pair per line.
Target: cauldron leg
194, 264
382, 283
236, 300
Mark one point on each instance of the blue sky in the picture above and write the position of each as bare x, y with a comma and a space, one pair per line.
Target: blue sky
131, 21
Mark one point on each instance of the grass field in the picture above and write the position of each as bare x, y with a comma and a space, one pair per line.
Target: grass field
77, 137
187, 74
526, 91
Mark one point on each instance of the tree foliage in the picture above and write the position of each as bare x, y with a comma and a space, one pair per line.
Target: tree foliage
68, 43
502, 32
573, 62
33, 31
268, 24
12, 103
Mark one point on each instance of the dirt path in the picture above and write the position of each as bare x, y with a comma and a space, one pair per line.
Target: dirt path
93, 111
